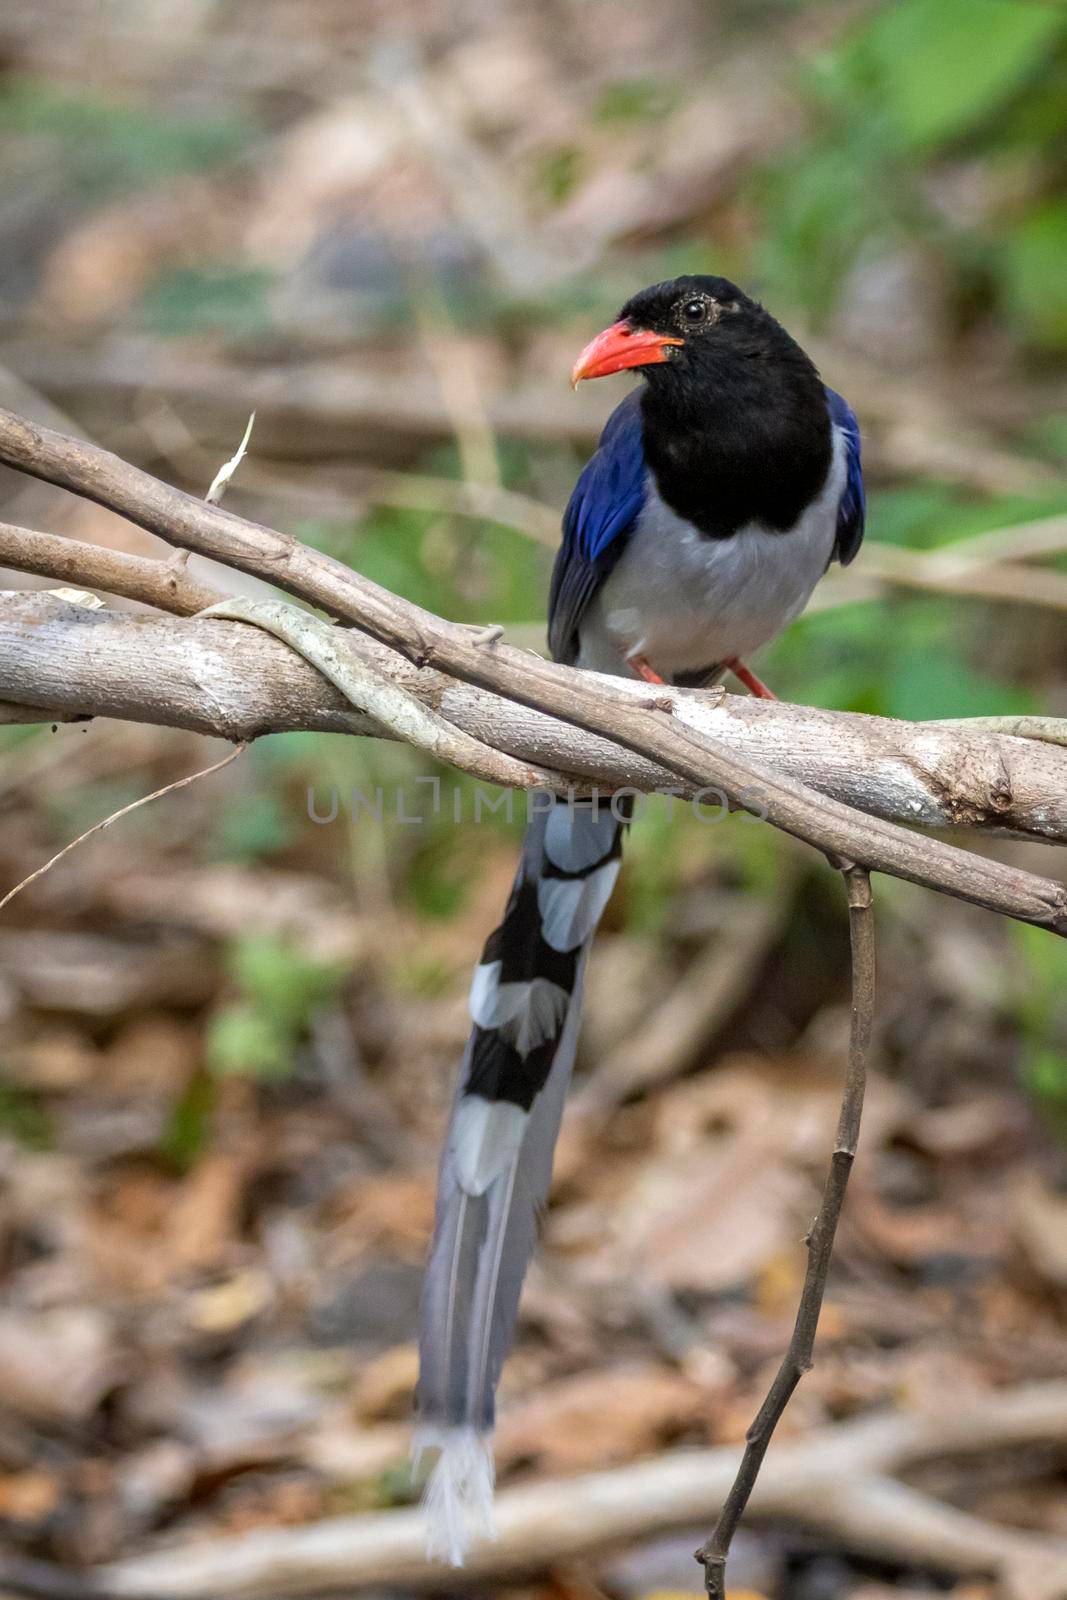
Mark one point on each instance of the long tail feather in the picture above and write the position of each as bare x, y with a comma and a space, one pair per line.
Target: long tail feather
497, 1162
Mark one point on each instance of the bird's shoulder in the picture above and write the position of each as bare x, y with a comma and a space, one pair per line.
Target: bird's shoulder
611, 487
604, 507
852, 507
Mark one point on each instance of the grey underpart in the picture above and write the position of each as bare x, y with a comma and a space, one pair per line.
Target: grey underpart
684, 601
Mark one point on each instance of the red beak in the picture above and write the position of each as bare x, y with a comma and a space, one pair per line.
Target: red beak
619, 347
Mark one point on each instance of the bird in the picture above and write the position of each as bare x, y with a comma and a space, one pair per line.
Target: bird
722, 488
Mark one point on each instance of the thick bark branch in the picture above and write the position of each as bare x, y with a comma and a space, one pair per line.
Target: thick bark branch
238, 683
643, 723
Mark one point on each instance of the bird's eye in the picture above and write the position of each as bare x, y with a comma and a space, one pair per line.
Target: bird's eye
694, 312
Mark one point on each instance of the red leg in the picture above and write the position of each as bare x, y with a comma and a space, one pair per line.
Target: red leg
749, 679
643, 670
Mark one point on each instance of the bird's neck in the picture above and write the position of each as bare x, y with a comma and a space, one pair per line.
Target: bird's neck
752, 444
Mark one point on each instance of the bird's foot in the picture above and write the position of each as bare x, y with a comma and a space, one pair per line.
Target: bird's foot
643, 670
755, 685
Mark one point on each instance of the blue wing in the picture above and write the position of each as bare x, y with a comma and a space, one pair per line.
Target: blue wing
600, 513
852, 512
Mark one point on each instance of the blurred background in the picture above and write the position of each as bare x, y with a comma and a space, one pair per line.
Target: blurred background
229, 1031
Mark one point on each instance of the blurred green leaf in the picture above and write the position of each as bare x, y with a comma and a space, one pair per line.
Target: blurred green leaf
559, 172
636, 100
1048, 436
285, 982
250, 826
279, 989
24, 1119
945, 64
241, 1039
189, 1124
107, 147
938, 683
1035, 273
228, 300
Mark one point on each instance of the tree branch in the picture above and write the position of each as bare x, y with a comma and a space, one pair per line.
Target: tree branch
798, 1357
231, 682
165, 584
641, 723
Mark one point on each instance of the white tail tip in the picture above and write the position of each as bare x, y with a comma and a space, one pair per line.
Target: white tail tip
458, 1497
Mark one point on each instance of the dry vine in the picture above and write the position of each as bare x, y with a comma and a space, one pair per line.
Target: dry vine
398, 670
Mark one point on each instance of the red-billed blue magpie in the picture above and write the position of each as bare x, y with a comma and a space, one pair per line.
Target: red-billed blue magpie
718, 496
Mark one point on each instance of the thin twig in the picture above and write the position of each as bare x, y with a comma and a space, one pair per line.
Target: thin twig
165, 584
798, 1357
124, 811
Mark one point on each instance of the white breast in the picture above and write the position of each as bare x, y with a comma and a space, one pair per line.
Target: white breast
684, 601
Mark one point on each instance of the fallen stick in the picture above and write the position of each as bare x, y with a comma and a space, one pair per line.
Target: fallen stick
838, 1481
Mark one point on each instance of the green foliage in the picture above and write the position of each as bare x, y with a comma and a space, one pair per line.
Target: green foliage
224, 299
103, 147
946, 65
1034, 265
466, 569
24, 1119
22, 733
635, 100
1047, 436
278, 989
252, 826
909, 655
559, 172
1041, 1012
189, 1125
906, 658
912, 90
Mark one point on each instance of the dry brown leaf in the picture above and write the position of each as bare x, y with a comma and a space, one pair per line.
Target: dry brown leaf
598, 1417
734, 1177
906, 1235
103, 977
57, 1365
349, 1454
103, 264
205, 1217
227, 900
688, 1594
286, 1503
385, 1385
388, 1210
151, 1055
28, 1496
56, 1060
1039, 1217
227, 1306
